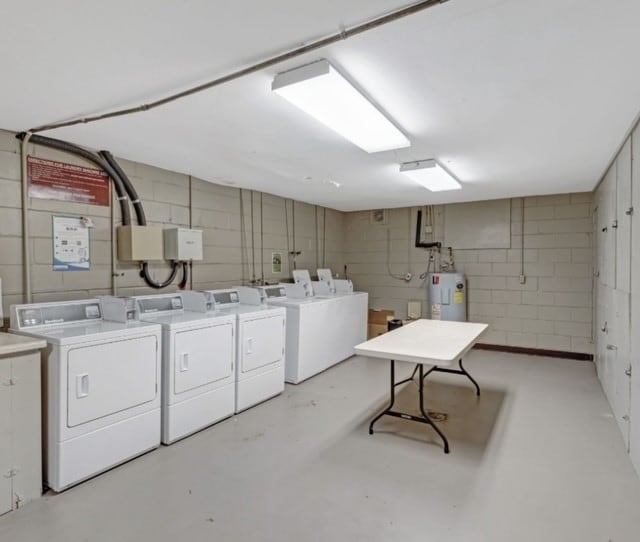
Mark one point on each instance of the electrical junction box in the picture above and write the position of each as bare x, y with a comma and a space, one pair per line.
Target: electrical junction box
182, 244
139, 243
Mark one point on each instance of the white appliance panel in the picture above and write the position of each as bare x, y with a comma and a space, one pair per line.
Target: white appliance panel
6, 458
261, 342
110, 377
201, 356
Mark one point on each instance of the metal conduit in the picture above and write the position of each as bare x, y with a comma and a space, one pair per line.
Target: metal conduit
299, 51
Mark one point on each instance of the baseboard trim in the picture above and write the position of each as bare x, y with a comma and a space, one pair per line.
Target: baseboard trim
535, 351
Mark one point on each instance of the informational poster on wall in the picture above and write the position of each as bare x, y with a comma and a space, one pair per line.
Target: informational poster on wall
70, 244
276, 262
67, 182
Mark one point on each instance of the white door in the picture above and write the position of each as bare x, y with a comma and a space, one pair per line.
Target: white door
110, 377
261, 342
634, 441
6, 462
606, 233
622, 218
618, 360
202, 356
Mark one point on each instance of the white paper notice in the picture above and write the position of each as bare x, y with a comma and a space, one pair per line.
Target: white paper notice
70, 244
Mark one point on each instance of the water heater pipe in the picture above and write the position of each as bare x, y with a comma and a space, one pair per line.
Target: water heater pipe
419, 243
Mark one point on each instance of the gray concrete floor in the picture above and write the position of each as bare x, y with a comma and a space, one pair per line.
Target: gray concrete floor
537, 457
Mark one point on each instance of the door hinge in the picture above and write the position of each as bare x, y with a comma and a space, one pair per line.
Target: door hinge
604, 327
8, 382
614, 224
629, 211
628, 371
596, 274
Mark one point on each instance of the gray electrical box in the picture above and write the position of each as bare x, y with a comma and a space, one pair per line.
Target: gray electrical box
139, 243
182, 244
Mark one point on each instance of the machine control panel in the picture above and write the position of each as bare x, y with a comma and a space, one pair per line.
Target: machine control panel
225, 298
46, 314
160, 303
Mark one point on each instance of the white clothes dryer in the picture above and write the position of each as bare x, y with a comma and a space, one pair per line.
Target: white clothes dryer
198, 364
101, 385
260, 344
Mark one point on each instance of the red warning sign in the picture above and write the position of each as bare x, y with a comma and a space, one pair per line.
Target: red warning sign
67, 182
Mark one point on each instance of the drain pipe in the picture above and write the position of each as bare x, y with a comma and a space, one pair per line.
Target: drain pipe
26, 257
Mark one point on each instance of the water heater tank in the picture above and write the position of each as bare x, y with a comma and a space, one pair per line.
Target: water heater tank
448, 296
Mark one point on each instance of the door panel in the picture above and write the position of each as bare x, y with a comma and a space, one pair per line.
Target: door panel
623, 231
261, 342
5, 436
634, 444
618, 354
110, 377
202, 356
606, 234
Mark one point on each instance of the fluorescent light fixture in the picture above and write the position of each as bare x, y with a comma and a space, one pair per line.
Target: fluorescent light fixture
431, 175
320, 91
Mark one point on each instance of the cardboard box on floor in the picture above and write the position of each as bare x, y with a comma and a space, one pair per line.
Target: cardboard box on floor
378, 319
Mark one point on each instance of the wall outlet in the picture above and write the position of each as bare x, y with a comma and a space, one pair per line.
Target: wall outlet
523, 279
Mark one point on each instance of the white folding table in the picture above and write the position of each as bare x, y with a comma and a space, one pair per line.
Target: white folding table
437, 343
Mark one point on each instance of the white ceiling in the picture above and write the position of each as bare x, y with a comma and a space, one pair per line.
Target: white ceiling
516, 97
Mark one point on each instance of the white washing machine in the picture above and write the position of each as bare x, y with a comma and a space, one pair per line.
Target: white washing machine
101, 384
260, 344
351, 312
310, 332
198, 364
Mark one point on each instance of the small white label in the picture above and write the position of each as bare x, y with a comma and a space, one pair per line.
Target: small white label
436, 312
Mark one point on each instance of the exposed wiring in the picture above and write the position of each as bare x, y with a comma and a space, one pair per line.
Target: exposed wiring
244, 260
253, 244
261, 240
26, 253
286, 227
324, 236
390, 273
125, 193
299, 51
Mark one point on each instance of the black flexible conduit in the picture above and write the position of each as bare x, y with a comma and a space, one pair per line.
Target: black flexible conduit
185, 276
58, 144
142, 220
133, 195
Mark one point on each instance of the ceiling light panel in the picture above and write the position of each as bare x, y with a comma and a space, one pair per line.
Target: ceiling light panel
431, 175
321, 91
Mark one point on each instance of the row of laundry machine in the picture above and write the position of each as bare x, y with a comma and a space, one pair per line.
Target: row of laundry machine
123, 374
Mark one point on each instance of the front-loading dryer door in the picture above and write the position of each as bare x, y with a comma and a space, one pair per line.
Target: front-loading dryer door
261, 342
110, 377
202, 356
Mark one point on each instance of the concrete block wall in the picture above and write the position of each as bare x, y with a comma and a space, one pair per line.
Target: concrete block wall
551, 310
169, 198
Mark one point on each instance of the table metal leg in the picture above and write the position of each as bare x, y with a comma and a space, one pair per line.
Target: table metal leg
461, 371
392, 400
464, 371
422, 419
426, 415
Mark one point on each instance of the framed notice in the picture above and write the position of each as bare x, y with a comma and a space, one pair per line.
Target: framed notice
276, 262
70, 244
67, 182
